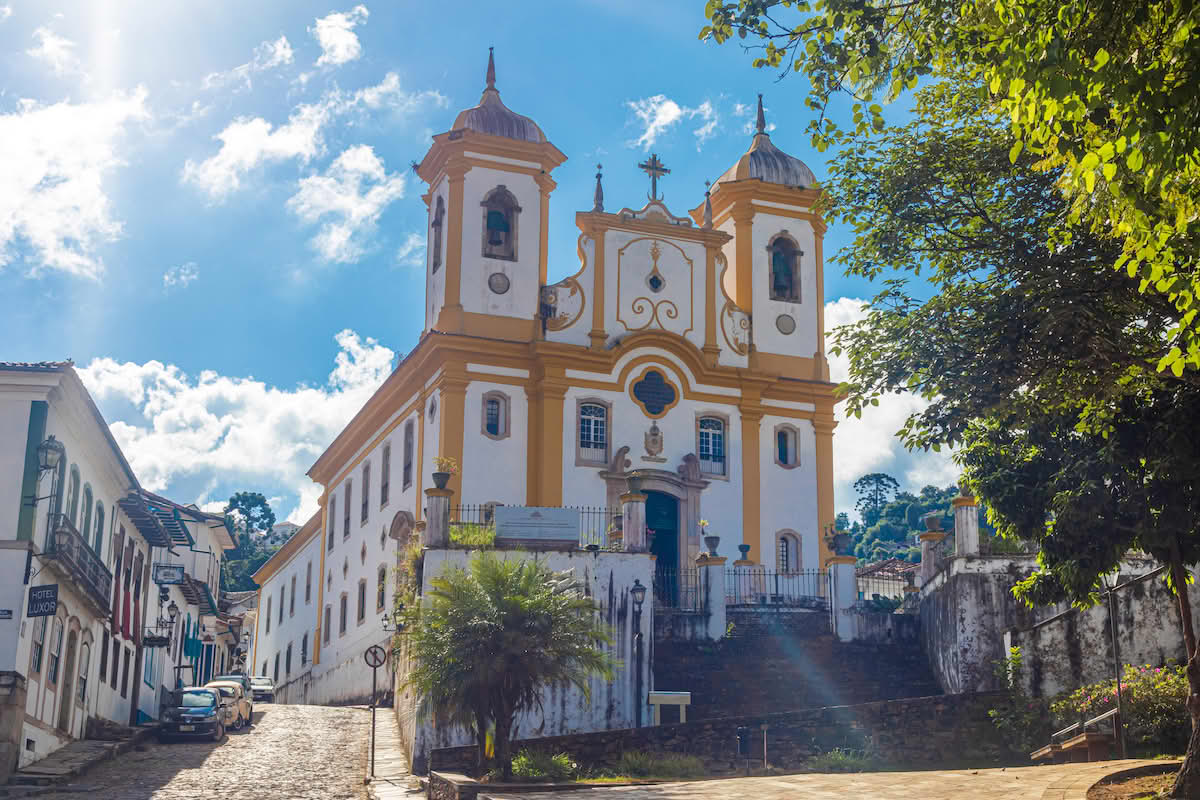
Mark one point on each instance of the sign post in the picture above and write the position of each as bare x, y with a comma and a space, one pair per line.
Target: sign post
375, 656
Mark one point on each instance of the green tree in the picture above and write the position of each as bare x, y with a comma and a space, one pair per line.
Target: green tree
842, 522
874, 490
252, 514
1101, 92
494, 636
1037, 361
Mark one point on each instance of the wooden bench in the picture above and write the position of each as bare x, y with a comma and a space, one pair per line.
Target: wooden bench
1088, 746
1051, 752
1081, 742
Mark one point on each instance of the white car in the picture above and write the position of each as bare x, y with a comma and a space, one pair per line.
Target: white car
262, 688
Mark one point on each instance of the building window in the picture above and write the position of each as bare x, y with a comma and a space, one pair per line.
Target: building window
362, 600
116, 662
282, 598
342, 615
332, 521
85, 658
788, 552
304, 649
711, 446
500, 212
381, 589
125, 672
787, 446
439, 215
268, 615
56, 637
407, 477
85, 525
276, 674
148, 666
308, 584
39, 643
496, 415
346, 511
785, 268
98, 540
103, 658
385, 474
292, 604
264, 670
73, 495
328, 623
593, 433
366, 493
287, 661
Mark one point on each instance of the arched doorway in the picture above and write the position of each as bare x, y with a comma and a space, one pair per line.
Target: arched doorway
66, 695
662, 517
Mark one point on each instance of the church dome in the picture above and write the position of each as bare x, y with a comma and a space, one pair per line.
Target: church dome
768, 163
494, 118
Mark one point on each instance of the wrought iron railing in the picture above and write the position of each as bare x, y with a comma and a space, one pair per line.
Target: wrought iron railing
79, 561
595, 522
678, 588
764, 586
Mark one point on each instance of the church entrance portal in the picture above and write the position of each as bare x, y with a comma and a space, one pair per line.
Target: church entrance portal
662, 517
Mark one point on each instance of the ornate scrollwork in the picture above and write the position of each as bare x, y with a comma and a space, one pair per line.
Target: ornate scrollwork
735, 327
563, 303
644, 305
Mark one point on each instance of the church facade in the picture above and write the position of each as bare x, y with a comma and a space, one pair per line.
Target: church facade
686, 348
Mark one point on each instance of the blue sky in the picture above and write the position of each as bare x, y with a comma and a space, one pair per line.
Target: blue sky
209, 206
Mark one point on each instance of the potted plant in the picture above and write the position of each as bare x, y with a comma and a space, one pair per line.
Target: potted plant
634, 480
710, 541
445, 468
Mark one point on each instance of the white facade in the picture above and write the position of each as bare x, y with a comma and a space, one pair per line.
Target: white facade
286, 619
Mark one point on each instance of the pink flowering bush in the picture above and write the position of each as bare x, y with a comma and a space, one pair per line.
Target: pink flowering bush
1152, 698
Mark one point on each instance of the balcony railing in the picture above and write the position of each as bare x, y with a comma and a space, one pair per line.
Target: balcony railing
763, 586
79, 562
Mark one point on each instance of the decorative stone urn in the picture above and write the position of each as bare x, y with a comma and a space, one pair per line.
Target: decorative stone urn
933, 522
744, 549
440, 479
711, 542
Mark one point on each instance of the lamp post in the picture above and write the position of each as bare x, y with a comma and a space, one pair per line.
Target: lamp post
1110, 581
638, 593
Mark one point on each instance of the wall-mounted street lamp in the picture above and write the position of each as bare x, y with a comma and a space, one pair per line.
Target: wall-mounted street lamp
50, 452
1110, 580
394, 622
638, 593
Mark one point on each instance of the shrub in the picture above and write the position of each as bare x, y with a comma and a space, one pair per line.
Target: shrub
842, 759
1153, 700
537, 765
638, 764
1025, 721
470, 534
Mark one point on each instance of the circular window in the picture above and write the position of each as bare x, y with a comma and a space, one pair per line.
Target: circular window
498, 282
785, 323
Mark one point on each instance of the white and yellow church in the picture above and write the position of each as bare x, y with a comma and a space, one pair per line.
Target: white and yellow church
688, 348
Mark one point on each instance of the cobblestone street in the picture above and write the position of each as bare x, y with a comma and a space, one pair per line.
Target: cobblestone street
294, 752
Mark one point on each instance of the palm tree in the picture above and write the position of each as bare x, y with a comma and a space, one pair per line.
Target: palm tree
493, 636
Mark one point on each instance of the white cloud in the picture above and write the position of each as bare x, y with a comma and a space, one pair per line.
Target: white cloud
248, 143
658, 114
5, 12
55, 50
267, 56
349, 197
220, 434
869, 444
335, 34
180, 276
751, 125
412, 251
740, 109
53, 167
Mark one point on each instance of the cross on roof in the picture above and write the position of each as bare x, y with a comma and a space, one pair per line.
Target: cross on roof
654, 168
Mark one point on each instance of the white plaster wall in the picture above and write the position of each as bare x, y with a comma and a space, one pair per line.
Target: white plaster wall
577, 332
729, 250
493, 470
296, 622
435, 282
768, 339
789, 496
631, 304
524, 274
430, 449
14, 430
607, 577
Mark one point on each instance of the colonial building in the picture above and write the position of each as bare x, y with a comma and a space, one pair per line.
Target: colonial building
685, 347
94, 642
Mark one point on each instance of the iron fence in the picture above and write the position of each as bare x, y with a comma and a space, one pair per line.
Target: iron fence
676, 588
764, 586
881, 592
476, 524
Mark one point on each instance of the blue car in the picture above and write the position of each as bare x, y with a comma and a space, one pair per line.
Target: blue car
194, 712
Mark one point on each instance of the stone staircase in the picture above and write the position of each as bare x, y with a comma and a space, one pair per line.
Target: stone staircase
761, 669
69, 762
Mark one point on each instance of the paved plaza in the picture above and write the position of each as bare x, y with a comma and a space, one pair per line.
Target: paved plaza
1058, 782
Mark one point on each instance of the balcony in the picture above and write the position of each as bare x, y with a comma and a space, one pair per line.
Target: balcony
71, 558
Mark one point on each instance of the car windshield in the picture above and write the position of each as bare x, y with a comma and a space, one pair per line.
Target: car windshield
196, 699
225, 691
234, 678
260, 681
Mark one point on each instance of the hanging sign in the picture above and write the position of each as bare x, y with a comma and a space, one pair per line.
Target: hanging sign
167, 574
43, 601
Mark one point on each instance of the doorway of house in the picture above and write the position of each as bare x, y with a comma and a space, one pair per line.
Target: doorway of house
66, 685
662, 517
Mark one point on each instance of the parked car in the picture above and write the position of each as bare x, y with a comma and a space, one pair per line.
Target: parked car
247, 689
233, 694
195, 711
263, 688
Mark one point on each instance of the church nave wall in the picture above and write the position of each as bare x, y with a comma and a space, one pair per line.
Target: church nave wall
493, 466
789, 492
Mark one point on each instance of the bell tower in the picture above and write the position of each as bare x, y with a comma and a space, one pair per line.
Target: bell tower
488, 200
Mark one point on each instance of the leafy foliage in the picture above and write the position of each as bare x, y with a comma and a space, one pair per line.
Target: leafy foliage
473, 535
1152, 701
1025, 720
1102, 94
253, 517
640, 764
537, 765
901, 519
874, 490
492, 637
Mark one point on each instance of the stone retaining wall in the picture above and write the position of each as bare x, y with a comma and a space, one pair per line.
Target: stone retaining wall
942, 731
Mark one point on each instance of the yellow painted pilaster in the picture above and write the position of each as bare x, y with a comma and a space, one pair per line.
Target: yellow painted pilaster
597, 334
450, 318
546, 184
419, 463
823, 425
552, 443
820, 298
710, 349
533, 444
452, 416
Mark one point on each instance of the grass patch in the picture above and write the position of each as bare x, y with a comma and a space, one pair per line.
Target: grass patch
639, 764
532, 765
841, 759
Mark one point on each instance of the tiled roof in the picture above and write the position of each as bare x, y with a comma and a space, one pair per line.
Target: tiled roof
897, 567
36, 366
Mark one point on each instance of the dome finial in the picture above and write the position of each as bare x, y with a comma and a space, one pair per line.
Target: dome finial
599, 196
707, 206
762, 120
491, 76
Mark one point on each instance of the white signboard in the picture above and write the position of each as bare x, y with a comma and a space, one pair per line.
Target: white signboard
547, 524
168, 574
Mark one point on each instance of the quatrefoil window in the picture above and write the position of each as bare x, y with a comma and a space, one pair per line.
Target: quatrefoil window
654, 393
